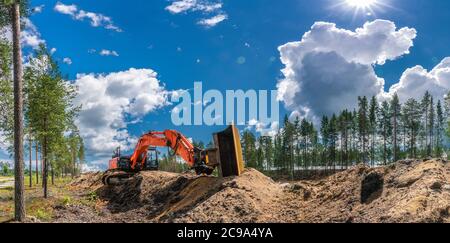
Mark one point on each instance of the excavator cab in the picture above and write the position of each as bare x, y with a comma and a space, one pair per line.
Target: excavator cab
152, 161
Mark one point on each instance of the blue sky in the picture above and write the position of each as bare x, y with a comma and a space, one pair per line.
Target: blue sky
240, 52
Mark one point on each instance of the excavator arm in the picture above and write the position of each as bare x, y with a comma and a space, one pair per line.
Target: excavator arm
179, 144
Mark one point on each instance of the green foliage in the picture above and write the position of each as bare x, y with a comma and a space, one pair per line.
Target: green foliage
50, 113
92, 196
6, 93
4, 169
411, 114
447, 105
348, 138
66, 200
171, 164
385, 130
5, 9
249, 149
43, 214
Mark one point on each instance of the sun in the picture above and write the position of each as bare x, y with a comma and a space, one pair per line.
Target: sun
361, 3
362, 7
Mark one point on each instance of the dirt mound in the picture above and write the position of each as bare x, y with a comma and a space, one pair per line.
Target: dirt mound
91, 180
170, 197
251, 197
408, 191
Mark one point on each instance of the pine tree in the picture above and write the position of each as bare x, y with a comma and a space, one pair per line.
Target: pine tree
355, 137
11, 12
305, 133
385, 128
373, 110
260, 154
447, 107
425, 109
288, 145
412, 113
363, 125
6, 95
50, 108
324, 132
267, 152
396, 110
333, 138
249, 149
431, 127
440, 124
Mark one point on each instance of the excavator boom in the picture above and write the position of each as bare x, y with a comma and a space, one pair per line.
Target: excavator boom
169, 138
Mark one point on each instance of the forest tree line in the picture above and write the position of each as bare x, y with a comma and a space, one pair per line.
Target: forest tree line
52, 142
375, 133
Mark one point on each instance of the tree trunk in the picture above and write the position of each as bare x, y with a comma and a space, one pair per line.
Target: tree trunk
395, 135
37, 164
384, 146
19, 201
53, 174
42, 164
45, 170
73, 164
31, 162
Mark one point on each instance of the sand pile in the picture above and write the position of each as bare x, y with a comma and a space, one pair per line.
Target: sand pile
408, 191
87, 181
168, 197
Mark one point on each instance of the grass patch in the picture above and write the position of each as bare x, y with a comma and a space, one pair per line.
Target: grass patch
36, 205
65, 201
41, 209
92, 196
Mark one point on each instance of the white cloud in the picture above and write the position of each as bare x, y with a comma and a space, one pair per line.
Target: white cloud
108, 53
96, 19
91, 168
110, 101
53, 50
263, 129
205, 7
66, 9
67, 61
38, 9
4, 143
181, 6
330, 67
30, 36
213, 21
417, 80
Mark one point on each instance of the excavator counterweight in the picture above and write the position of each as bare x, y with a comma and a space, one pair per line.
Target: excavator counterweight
226, 155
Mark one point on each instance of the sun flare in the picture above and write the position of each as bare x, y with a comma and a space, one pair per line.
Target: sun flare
361, 3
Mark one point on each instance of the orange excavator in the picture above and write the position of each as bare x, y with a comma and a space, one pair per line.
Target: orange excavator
226, 155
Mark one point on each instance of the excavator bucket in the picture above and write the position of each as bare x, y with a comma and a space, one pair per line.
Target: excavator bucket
228, 153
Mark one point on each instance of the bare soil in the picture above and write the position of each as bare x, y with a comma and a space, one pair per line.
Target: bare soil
408, 191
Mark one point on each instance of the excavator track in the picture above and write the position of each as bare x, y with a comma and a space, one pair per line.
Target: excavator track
115, 178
